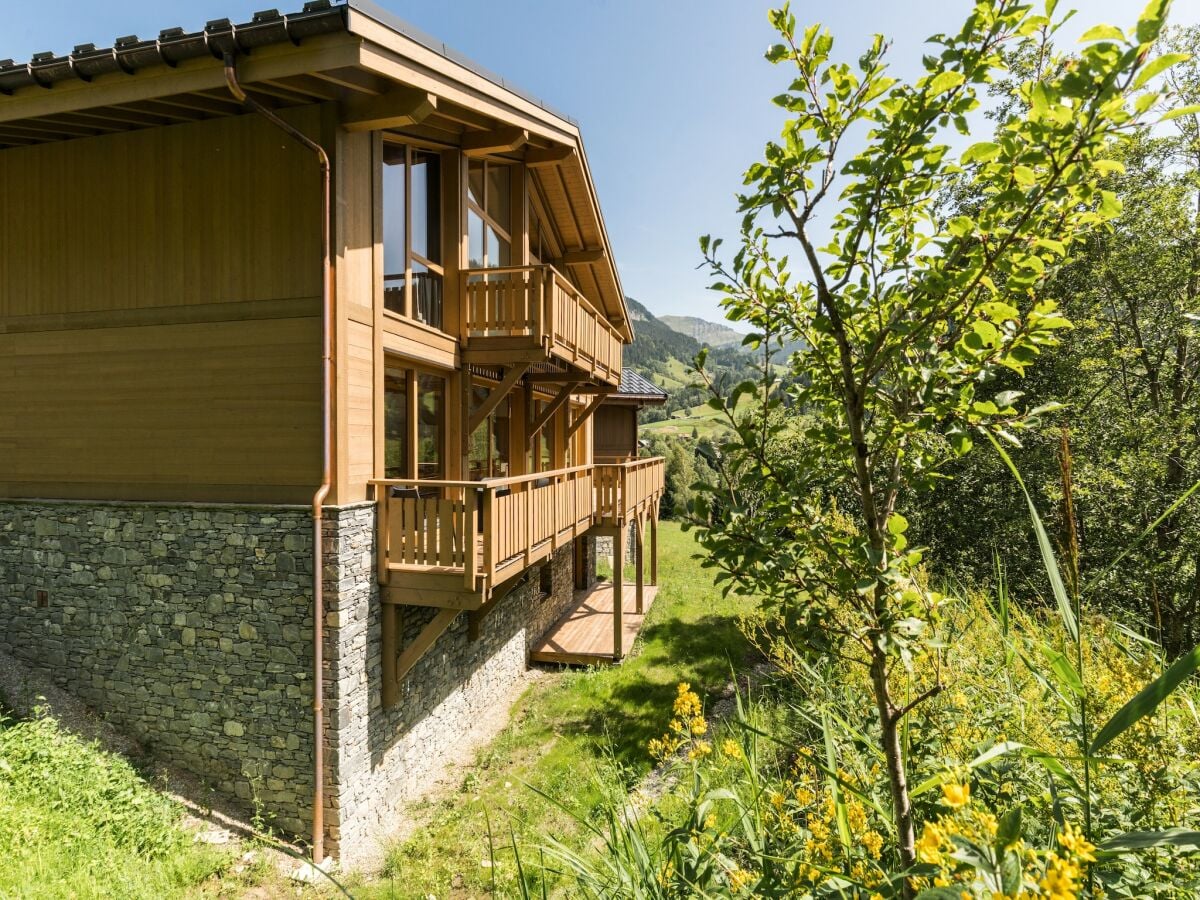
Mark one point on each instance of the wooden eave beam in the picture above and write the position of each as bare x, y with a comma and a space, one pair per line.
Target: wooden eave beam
398, 107
579, 257
276, 61
586, 413
511, 377
498, 140
560, 399
539, 157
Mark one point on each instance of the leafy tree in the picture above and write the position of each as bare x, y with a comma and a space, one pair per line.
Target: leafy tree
1128, 375
905, 316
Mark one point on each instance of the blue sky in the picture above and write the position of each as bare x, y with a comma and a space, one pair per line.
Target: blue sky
673, 95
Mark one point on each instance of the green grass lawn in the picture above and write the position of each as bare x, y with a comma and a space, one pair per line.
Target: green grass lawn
76, 821
567, 732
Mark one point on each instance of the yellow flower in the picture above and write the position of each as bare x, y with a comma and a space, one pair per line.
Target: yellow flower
956, 795
710, 821
731, 748
873, 842
1073, 841
1061, 881
700, 750
929, 845
698, 725
739, 879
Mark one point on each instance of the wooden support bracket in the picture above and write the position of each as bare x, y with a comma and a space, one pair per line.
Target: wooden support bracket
560, 399
511, 377
398, 107
414, 651
498, 140
536, 158
587, 413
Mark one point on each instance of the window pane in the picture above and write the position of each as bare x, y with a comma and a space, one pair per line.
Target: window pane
475, 182
499, 252
475, 241
395, 405
431, 411
488, 448
394, 222
427, 206
499, 194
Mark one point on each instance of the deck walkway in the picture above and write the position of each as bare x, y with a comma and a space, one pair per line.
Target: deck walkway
584, 636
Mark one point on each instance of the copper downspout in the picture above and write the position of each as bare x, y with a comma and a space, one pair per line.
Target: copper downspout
318, 812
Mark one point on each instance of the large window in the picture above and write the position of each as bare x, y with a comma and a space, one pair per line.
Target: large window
414, 424
412, 233
489, 214
488, 449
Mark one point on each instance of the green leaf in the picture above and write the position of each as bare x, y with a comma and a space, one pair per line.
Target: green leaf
1144, 840
896, 524
1063, 670
1103, 33
981, 152
1049, 561
945, 81
1180, 111
1157, 65
993, 752
940, 893
1147, 699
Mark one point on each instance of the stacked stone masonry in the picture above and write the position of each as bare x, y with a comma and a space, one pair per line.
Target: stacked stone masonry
190, 627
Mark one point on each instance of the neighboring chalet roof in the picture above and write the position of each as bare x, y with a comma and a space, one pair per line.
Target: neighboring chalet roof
350, 52
636, 389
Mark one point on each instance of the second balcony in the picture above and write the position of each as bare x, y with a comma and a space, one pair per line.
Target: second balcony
533, 314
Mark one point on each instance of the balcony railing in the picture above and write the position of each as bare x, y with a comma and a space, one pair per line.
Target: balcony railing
538, 303
484, 531
628, 489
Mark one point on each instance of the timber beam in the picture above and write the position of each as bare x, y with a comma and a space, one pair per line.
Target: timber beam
498, 393
581, 257
398, 107
536, 158
497, 140
560, 400
586, 413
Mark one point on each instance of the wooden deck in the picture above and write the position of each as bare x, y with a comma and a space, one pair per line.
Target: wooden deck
584, 636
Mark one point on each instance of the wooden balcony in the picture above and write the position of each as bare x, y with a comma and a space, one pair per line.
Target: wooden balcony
448, 543
533, 314
628, 491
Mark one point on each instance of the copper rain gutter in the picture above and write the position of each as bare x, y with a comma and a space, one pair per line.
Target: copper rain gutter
318, 811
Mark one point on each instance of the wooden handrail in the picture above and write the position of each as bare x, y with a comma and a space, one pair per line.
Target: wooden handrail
490, 483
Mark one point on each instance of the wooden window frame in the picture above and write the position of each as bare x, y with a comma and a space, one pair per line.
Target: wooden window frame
439, 269
505, 231
412, 400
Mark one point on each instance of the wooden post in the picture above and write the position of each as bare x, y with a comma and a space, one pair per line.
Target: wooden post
390, 648
618, 592
641, 581
654, 545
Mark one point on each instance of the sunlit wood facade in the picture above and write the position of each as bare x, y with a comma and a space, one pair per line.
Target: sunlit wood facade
161, 296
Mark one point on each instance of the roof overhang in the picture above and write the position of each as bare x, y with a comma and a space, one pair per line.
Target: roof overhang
347, 53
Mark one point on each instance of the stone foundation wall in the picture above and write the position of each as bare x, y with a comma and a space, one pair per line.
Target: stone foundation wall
381, 758
188, 626
604, 545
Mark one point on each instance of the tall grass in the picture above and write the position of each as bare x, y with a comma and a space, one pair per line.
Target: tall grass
78, 822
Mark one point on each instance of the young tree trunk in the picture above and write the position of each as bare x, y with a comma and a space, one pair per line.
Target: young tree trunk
889, 723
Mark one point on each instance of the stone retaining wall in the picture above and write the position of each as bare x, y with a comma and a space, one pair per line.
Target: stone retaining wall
381, 758
190, 627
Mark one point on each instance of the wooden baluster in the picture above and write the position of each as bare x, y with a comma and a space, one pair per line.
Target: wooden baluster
381, 531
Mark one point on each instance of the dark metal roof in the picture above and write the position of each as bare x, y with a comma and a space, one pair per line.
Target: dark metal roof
174, 45
635, 387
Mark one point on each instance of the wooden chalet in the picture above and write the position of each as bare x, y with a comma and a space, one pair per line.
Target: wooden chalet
312, 261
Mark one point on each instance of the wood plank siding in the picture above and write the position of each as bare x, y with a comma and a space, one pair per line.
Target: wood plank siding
160, 315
